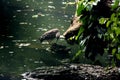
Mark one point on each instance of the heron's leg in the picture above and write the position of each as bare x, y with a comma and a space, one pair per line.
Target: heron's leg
56, 40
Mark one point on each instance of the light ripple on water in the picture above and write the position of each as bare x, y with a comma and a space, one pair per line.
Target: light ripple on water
52, 7
1, 47
19, 40
23, 44
42, 29
50, 2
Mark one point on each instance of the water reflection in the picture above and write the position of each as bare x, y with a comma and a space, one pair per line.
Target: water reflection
22, 22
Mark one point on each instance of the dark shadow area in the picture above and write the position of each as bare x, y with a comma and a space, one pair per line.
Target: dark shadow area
4, 78
5, 17
60, 49
51, 59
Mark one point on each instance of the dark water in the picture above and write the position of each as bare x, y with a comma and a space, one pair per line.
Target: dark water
22, 22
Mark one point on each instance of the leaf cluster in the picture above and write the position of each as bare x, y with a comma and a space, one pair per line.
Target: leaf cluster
100, 32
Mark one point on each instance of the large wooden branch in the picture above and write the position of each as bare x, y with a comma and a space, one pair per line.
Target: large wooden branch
74, 72
73, 28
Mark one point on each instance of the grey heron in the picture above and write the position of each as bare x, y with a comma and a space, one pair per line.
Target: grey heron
50, 35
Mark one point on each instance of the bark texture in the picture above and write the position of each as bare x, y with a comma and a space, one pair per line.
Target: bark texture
74, 72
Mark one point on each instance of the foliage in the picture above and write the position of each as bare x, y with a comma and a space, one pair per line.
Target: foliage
100, 32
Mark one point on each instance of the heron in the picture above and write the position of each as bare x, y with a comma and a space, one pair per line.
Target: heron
50, 35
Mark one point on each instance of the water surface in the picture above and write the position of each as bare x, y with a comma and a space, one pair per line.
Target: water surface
22, 22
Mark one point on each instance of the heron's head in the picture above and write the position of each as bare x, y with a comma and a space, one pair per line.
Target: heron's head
41, 39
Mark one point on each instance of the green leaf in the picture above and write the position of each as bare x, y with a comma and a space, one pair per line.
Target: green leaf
118, 56
108, 23
117, 31
111, 35
102, 20
89, 7
114, 51
79, 33
81, 7
115, 4
112, 16
77, 54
